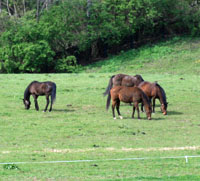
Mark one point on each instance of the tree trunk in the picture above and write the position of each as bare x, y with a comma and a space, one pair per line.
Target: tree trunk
38, 10
8, 8
0, 6
89, 3
24, 5
15, 9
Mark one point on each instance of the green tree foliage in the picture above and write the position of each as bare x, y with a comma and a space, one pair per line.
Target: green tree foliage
25, 49
51, 35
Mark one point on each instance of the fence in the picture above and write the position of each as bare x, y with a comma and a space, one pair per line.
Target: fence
104, 160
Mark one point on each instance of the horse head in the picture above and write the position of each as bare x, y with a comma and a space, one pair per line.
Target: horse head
27, 104
164, 108
148, 112
148, 109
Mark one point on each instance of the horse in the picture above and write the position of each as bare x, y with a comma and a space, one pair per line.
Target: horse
128, 95
155, 91
36, 89
123, 80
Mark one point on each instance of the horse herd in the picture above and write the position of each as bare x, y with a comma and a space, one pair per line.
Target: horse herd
121, 87
133, 89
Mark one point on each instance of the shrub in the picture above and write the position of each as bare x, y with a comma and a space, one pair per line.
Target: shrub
27, 57
68, 64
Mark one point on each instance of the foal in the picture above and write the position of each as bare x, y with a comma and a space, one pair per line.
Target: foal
39, 89
128, 95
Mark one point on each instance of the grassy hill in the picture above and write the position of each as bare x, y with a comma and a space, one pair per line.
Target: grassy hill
175, 56
80, 128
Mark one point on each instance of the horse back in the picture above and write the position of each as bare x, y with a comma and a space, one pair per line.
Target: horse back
148, 88
41, 88
126, 94
117, 79
128, 81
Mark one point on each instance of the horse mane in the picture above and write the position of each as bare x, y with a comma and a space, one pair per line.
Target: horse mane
26, 92
146, 97
139, 77
162, 92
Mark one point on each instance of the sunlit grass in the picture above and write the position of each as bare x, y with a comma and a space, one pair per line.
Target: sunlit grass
80, 128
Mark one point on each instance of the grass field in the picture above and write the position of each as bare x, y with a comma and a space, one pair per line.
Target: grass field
80, 128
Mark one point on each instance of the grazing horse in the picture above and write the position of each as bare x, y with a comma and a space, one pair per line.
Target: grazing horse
123, 80
39, 89
128, 95
155, 91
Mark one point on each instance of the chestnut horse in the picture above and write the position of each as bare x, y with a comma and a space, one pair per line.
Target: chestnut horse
39, 89
128, 95
123, 80
155, 91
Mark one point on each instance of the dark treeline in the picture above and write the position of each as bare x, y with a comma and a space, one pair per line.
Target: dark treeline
59, 35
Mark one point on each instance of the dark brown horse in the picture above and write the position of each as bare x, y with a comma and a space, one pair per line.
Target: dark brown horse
123, 80
40, 89
155, 91
128, 95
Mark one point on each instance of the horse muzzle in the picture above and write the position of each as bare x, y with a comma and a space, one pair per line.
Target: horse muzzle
164, 113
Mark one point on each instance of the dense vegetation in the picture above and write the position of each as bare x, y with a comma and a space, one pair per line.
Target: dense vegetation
57, 36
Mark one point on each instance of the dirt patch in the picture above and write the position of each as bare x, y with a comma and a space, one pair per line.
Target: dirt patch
112, 149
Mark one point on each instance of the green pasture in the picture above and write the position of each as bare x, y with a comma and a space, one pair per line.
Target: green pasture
80, 128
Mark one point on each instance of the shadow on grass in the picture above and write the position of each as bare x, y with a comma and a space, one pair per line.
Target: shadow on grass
64, 110
143, 118
174, 113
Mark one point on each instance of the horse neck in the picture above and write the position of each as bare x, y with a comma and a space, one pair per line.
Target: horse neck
145, 100
162, 96
27, 94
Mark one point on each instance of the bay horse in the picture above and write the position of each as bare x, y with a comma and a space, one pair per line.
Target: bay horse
155, 91
123, 80
128, 95
36, 89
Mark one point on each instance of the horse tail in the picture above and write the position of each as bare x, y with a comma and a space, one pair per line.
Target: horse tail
110, 84
53, 93
108, 101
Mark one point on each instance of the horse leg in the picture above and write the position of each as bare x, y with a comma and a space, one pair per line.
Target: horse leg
154, 103
51, 105
113, 109
142, 105
36, 103
117, 106
47, 98
133, 111
138, 111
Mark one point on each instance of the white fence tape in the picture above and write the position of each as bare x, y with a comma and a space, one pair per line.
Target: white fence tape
105, 160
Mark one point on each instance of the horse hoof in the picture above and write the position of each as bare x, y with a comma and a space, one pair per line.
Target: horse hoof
120, 117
